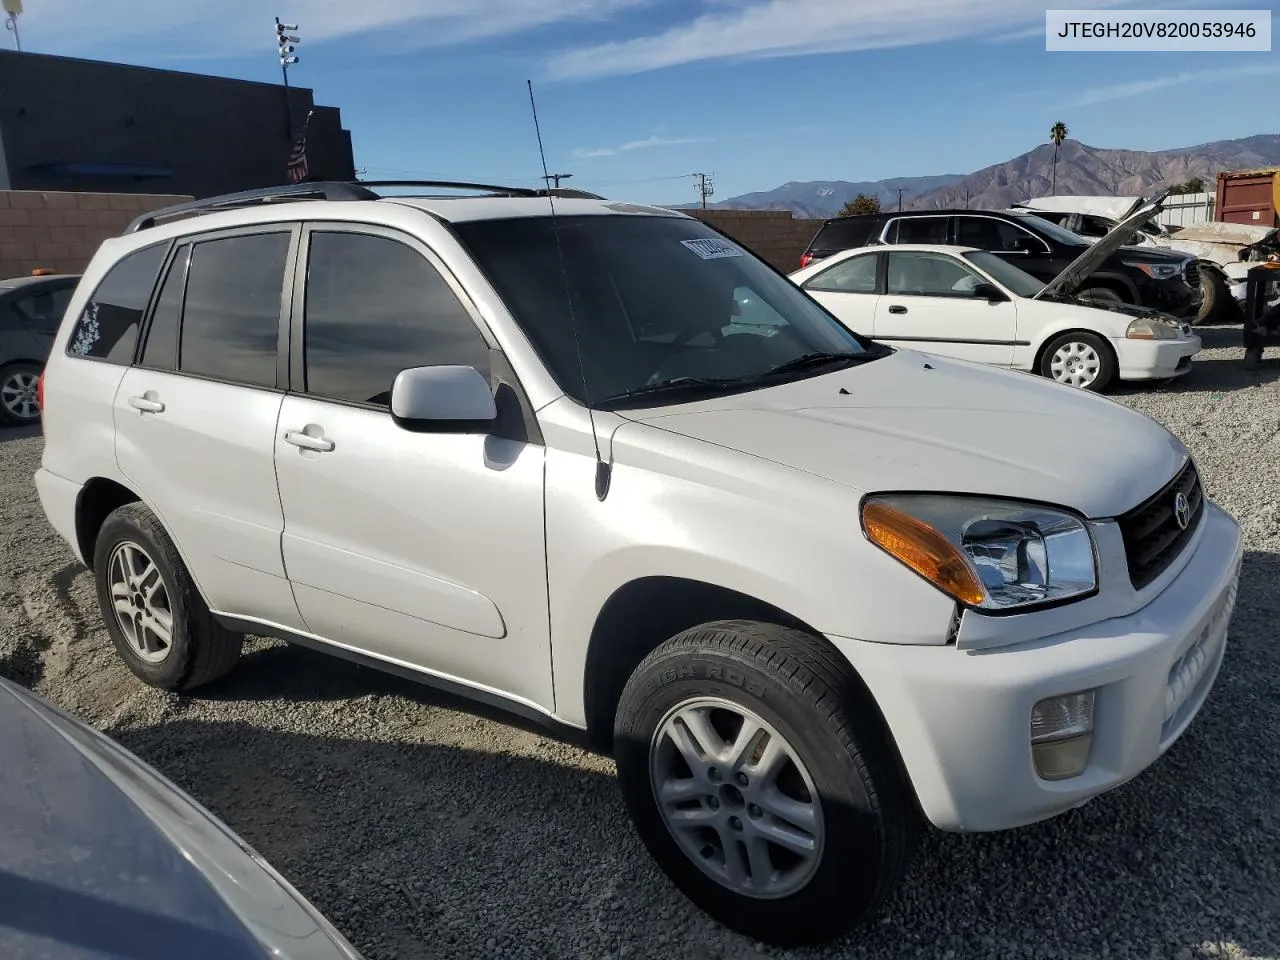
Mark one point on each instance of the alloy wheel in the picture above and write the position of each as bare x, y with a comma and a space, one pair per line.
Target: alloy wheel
19, 395
736, 798
140, 601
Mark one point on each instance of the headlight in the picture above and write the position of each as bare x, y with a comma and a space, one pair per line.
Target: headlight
1157, 271
1147, 329
989, 554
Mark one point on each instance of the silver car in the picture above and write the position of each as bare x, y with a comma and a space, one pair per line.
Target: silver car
101, 856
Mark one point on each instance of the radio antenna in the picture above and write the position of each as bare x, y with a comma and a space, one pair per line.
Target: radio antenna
603, 471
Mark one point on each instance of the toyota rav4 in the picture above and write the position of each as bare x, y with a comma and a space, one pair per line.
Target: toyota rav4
811, 592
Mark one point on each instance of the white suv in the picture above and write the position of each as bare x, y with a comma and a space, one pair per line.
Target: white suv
809, 591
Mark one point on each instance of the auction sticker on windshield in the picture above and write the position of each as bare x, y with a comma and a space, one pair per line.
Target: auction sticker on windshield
712, 248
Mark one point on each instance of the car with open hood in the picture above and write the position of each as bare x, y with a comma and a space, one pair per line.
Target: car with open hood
1153, 277
810, 591
975, 305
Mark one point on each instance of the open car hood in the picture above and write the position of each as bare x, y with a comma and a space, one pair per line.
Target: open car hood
1083, 266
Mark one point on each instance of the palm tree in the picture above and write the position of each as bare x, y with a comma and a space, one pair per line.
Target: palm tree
1057, 133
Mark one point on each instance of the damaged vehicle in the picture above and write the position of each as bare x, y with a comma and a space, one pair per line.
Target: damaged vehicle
1225, 251
1163, 280
971, 304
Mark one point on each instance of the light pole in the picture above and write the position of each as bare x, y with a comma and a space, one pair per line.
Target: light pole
284, 45
557, 177
12, 8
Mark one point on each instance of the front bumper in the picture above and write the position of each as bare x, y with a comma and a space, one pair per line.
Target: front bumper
961, 718
1155, 359
1172, 296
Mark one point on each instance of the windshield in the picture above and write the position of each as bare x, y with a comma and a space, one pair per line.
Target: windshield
1014, 278
656, 301
1052, 230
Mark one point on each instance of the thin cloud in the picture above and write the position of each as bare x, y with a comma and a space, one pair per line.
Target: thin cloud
584, 153
1137, 88
183, 29
782, 28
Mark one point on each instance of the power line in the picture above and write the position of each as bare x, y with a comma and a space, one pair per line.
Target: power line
706, 187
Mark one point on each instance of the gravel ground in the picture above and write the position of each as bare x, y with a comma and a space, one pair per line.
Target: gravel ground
426, 830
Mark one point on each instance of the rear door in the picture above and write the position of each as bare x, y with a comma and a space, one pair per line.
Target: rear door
40, 313
928, 305
196, 416
848, 289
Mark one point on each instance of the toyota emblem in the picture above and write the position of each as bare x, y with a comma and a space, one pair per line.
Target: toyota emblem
1181, 510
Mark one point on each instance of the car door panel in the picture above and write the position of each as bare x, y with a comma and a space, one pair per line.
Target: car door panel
425, 549
212, 406
936, 318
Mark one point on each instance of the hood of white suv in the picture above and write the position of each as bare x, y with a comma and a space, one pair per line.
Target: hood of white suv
925, 423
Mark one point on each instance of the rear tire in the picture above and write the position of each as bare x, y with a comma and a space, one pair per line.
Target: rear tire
159, 623
1214, 292
818, 787
18, 388
1079, 359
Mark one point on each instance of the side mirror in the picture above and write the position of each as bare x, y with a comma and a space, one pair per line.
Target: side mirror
988, 291
443, 399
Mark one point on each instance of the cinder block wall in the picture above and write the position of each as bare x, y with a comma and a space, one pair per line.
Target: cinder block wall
62, 231
773, 235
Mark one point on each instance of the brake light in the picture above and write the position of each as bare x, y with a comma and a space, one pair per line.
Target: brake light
805, 260
40, 392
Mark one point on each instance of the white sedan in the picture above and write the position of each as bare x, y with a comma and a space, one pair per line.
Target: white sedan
973, 305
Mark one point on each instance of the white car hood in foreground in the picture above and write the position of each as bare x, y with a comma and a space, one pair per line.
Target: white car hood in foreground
916, 423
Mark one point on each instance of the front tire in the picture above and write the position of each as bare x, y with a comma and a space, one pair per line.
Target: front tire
159, 623
1103, 296
761, 778
1079, 359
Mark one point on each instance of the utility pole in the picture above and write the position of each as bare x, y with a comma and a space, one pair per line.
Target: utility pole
12, 8
557, 177
284, 44
899, 199
706, 187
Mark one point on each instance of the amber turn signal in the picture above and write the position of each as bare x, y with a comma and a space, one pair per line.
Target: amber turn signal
922, 548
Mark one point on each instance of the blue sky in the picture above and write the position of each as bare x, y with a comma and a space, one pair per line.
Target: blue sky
635, 95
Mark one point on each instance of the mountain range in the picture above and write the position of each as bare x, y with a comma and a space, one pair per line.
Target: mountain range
1082, 170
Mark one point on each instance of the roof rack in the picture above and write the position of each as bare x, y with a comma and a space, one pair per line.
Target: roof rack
334, 190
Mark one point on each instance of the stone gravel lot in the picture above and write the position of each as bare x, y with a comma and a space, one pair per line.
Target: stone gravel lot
424, 829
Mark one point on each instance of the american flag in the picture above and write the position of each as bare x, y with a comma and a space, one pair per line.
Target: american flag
298, 170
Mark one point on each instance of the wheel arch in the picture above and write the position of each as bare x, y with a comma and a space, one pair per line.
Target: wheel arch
1054, 335
98, 498
1125, 288
640, 615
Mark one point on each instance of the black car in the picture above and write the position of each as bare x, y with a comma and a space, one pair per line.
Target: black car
30, 310
1163, 280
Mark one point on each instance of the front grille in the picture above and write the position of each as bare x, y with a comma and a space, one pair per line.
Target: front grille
1153, 537
1191, 274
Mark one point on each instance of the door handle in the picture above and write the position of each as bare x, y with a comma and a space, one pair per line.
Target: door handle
306, 441
897, 308
147, 403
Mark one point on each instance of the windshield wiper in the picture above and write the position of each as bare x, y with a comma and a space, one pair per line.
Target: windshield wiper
676, 385
809, 361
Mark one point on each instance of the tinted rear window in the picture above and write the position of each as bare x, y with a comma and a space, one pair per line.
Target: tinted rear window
108, 326
846, 233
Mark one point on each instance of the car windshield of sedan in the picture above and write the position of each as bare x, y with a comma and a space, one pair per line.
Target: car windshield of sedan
1010, 276
628, 310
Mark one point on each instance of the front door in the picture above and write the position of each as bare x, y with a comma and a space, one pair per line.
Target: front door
929, 305
848, 289
1020, 247
423, 549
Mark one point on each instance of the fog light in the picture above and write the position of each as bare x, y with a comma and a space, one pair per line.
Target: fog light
1061, 734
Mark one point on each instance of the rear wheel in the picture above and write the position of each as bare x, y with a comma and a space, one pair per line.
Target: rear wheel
157, 619
1079, 359
760, 777
1213, 293
19, 394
